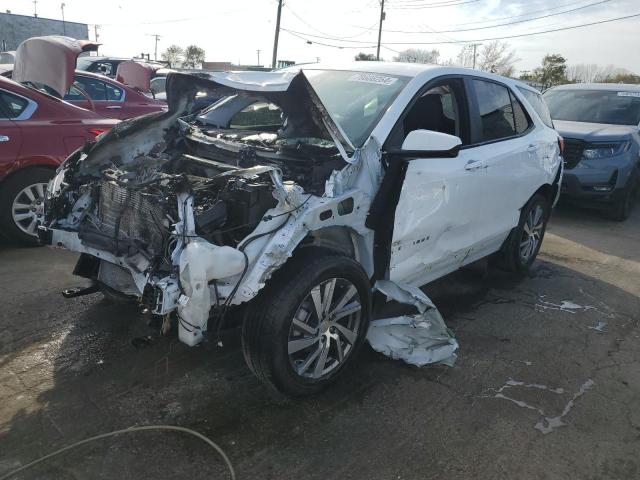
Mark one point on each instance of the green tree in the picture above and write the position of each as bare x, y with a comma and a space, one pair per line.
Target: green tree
173, 54
193, 56
553, 70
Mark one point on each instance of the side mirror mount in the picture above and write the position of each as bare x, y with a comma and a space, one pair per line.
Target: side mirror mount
427, 143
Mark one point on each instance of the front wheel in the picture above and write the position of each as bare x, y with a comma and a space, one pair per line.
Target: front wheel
523, 244
621, 209
22, 204
309, 323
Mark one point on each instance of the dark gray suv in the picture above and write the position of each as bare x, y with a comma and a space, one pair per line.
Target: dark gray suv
600, 126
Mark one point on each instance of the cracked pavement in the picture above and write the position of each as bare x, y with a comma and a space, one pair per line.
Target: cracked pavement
561, 343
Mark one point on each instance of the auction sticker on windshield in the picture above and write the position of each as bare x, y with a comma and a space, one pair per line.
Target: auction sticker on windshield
372, 78
629, 94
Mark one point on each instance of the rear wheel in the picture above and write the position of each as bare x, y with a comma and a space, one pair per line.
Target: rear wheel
22, 204
308, 325
523, 244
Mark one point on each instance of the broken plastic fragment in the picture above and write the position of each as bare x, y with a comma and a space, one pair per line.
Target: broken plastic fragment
417, 339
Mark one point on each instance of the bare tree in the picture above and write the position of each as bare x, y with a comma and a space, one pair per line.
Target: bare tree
416, 55
193, 56
465, 57
365, 57
497, 57
173, 54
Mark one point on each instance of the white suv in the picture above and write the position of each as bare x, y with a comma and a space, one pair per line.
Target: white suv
299, 190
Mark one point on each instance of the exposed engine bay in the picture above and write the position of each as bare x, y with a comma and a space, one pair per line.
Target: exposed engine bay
186, 215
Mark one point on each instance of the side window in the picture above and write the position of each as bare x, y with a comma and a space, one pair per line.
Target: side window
496, 112
114, 94
261, 116
539, 105
12, 105
105, 68
520, 116
437, 109
73, 94
96, 89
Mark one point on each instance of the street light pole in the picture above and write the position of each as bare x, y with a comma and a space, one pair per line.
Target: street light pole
64, 26
380, 28
258, 51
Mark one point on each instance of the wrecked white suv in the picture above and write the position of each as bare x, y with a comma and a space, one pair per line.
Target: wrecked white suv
301, 190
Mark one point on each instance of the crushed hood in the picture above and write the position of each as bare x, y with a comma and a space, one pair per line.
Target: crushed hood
50, 60
136, 75
291, 91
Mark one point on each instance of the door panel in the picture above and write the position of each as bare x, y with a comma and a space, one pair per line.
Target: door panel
437, 217
10, 144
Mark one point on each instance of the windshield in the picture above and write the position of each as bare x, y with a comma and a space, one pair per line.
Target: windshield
355, 100
594, 106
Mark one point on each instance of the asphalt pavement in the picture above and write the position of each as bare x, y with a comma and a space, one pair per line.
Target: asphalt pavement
546, 386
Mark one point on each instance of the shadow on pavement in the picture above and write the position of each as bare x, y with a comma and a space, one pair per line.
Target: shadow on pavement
384, 419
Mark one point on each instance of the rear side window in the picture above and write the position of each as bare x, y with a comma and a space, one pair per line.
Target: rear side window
114, 94
520, 116
12, 105
496, 112
539, 105
96, 89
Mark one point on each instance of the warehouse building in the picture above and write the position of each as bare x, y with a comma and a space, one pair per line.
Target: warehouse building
14, 29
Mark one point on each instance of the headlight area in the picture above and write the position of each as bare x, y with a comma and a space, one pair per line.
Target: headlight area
596, 151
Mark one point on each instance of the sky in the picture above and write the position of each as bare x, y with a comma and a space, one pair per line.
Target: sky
234, 30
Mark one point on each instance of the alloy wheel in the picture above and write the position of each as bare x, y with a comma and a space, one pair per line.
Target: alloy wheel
324, 329
531, 233
28, 208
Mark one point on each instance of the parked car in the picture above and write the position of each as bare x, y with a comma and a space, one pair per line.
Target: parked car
110, 98
599, 124
37, 132
108, 65
298, 191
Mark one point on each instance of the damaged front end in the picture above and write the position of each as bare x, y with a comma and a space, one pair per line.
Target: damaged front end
186, 214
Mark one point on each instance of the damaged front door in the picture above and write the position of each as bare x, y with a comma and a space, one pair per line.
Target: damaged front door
438, 210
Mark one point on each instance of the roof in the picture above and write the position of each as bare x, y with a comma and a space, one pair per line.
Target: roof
412, 70
615, 87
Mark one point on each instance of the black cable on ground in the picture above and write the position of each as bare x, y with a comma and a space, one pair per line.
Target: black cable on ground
174, 428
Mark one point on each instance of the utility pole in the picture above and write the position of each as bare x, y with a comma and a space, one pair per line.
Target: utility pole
95, 32
35, 8
275, 40
155, 53
64, 26
382, 15
258, 51
475, 46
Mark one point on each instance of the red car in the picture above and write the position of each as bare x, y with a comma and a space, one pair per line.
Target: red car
37, 132
110, 98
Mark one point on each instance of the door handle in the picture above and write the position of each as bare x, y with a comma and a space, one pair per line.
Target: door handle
114, 107
475, 165
532, 148
4, 138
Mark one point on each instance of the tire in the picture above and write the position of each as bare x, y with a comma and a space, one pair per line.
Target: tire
285, 343
621, 209
22, 204
523, 244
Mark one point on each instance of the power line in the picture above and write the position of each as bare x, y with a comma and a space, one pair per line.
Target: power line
505, 37
329, 34
501, 24
526, 14
432, 5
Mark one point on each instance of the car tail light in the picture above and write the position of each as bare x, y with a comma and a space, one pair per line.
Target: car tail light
561, 145
97, 131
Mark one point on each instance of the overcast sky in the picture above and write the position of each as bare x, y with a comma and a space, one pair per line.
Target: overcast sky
232, 30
